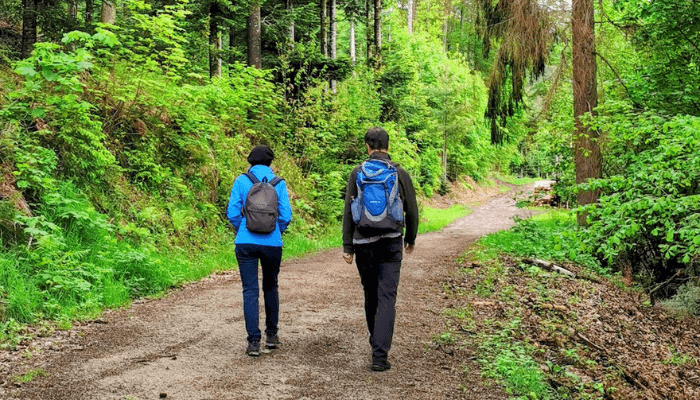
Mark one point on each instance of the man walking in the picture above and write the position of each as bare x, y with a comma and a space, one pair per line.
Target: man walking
379, 202
259, 211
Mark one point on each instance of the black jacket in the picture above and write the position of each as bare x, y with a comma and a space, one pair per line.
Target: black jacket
410, 207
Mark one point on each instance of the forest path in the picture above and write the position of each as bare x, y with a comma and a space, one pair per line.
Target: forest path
191, 344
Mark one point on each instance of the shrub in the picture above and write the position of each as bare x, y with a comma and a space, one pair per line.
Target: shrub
648, 214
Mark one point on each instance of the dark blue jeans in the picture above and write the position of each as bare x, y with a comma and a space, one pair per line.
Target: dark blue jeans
270, 258
379, 265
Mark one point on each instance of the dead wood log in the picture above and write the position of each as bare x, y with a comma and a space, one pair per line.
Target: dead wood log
548, 266
659, 286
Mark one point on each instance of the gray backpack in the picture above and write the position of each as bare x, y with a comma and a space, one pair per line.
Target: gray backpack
260, 209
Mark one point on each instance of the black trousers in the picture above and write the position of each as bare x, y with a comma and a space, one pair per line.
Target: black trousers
379, 264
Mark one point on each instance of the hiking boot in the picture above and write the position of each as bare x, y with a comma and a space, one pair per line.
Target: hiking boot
272, 342
253, 349
380, 365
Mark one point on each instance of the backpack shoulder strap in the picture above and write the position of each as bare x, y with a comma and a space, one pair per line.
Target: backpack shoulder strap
276, 180
251, 177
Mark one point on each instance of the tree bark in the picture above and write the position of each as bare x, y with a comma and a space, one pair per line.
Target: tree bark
254, 40
290, 7
410, 16
89, 12
215, 43
324, 27
368, 30
586, 146
334, 29
377, 33
73, 11
334, 38
109, 12
28, 27
353, 50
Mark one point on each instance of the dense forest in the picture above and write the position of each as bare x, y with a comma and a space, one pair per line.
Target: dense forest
123, 124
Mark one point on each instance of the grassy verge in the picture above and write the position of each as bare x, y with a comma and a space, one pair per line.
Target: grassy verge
550, 236
502, 352
434, 219
527, 324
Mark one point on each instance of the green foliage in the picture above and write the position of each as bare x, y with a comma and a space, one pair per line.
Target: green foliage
667, 77
437, 98
511, 362
548, 236
686, 300
434, 219
649, 209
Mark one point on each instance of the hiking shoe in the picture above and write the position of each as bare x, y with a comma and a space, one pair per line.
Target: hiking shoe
380, 365
253, 349
272, 342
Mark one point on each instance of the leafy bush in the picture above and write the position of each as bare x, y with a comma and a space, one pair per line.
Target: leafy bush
648, 214
686, 299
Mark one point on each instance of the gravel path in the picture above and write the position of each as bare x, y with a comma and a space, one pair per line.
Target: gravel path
191, 344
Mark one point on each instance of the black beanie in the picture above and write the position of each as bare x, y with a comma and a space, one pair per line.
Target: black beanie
261, 155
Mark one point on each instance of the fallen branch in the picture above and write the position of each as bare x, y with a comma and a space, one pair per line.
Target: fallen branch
588, 342
659, 286
548, 266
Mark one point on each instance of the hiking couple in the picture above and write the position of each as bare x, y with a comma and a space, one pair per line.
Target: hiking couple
379, 202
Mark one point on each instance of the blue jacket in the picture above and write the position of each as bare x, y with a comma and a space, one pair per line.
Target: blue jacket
235, 205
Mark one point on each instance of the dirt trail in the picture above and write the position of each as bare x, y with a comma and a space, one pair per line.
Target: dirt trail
191, 344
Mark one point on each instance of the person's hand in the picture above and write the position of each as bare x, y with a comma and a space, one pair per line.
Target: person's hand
408, 248
347, 257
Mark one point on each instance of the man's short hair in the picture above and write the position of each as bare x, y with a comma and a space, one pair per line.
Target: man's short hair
377, 138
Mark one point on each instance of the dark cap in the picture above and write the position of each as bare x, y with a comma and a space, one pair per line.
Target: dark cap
261, 155
377, 138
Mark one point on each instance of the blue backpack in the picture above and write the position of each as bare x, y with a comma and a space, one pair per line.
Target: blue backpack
377, 204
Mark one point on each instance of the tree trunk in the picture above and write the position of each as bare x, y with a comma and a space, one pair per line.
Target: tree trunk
109, 12
290, 7
368, 31
353, 51
324, 27
73, 11
378, 33
444, 155
254, 41
28, 27
334, 30
445, 26
334, 38
215, 43
410, 16
587, 149
89, 12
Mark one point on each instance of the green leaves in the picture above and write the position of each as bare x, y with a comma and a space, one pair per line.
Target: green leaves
652, 206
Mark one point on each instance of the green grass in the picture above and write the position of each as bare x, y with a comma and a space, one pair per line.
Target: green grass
298, 245
549, 236
509, 361
29, 375
434, 219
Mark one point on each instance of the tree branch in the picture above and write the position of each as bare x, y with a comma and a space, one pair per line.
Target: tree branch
619, 79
